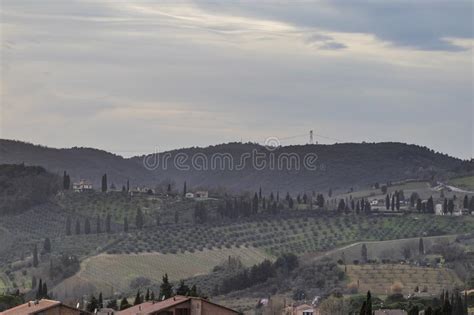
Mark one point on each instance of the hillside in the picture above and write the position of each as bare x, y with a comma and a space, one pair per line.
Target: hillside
22, 187
238, 166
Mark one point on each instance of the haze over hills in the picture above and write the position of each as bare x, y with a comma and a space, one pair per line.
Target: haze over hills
233, 165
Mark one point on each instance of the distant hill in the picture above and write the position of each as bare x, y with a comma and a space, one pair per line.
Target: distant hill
339, 166
22, 187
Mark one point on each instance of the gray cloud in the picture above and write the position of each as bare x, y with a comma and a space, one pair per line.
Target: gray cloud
126, 79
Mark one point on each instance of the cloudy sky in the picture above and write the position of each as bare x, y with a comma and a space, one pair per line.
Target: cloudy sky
130, 77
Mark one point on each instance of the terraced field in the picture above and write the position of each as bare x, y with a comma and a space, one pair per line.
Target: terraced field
379, 278
463, 182
111, 273
299, 232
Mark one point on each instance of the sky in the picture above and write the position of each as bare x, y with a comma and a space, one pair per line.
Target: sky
136, 77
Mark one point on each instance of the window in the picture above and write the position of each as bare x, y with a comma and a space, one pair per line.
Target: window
183, 311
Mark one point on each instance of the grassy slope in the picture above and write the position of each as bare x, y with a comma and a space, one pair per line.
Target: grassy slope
463, 182
111, 273
379, 278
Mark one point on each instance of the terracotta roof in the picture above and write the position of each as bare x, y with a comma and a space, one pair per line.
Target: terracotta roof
31, 307
149, 307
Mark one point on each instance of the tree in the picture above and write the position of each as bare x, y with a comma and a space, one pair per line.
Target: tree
68, 226
124, 304
87, 226
125, 224
414, 310
363, 253
128, 185
139, 219
138, 298
176, 217
112, 304
147, 295
78, 227
108, 220
92, 305
98, 225
369, 304
387, 202
430, 205
35, 256
397, 200
184, 189
193, 291
100, 301
182, 289
47, 245
66, 181
39, 291
166, 289
451, 206
465, 203
104, 183
421, 247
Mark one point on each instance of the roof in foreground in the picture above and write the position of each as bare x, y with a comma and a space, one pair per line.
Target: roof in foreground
31, 307
151, 307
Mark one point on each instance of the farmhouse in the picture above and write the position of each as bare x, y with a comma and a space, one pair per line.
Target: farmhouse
44, 307
81, 186
178, 305
201, 194
303, 309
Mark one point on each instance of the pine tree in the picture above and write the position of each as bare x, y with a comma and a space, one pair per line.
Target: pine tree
193, 291
104, 183
182, 289
124, 304
166, 289
92, 305
47, 245
35, 256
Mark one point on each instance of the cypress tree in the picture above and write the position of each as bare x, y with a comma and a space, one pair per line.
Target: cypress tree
125, 224
108, 220
45, 290
100, 302
465, 203
39, 291
98, 227
47, 245
78, 227
35, 256
387, 202
139, 219
87, 226
184, 189
166, 289
104, 183
421, 247
68, 225
138, 298
147, 295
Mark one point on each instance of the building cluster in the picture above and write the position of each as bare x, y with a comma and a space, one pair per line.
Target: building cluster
177, 305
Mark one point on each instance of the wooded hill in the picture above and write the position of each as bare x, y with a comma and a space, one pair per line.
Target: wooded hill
337, 166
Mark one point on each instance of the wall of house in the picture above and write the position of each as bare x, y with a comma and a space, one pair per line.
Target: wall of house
211, 309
